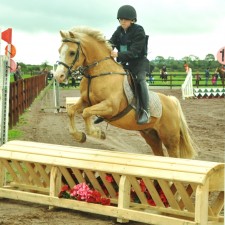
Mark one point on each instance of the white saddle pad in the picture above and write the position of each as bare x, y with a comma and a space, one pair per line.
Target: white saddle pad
154, 100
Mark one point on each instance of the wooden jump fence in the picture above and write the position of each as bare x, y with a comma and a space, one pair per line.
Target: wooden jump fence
22, 94
193, 190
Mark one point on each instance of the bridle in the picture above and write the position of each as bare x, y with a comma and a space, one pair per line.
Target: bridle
70, 68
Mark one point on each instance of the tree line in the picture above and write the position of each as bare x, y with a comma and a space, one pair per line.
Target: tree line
178, 65
171, 63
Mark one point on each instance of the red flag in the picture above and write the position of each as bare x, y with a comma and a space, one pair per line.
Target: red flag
7, 35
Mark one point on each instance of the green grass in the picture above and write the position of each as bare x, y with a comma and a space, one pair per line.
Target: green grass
14, 134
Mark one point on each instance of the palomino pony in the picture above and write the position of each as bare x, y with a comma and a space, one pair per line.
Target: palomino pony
222, 74
101, 93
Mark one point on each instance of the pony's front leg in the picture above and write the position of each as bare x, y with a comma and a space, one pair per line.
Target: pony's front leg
93, 130
101, 109
71, 111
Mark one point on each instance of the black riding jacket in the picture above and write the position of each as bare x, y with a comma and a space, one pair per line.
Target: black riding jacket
132, 48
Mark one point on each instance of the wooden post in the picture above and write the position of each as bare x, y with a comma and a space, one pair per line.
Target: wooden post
201, 203
124, 196
55, 182
2, 175
171, 82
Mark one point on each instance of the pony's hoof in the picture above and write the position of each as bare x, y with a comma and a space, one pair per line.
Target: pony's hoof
83, 138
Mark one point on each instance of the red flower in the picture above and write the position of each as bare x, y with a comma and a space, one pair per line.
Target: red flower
151, 202
97, 196
109, 178
65, 188
143, 187
105, 201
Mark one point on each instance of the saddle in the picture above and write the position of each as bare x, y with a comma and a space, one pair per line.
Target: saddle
131, 92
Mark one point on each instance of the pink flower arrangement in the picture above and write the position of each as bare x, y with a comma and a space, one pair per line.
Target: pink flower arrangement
82, 192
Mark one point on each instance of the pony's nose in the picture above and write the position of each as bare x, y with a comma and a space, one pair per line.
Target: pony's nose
60, 76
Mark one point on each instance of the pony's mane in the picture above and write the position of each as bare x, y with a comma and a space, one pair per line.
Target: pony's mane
94, 33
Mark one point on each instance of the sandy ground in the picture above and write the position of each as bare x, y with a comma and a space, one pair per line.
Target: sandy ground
206, 119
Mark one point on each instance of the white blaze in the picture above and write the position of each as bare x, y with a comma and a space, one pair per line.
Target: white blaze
61, 69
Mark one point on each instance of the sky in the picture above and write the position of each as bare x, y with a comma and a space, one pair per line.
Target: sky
176, 28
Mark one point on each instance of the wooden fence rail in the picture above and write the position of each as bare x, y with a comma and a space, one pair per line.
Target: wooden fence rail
22, 94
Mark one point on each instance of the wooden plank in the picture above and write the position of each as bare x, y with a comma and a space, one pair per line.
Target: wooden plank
67, 176
94, 182
78, 175
154, 193
23, 176
28, 187
8, 167
185, 197
190, 191
116, 177
128, 214
43, 173
218, 204
34, 177
169, 194
136, 186
112, 167
108, 185
154, 159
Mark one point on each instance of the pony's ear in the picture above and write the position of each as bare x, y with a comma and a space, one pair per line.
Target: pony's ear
63, 35
71, 34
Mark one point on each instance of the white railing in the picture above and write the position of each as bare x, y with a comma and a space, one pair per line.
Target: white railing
187, 86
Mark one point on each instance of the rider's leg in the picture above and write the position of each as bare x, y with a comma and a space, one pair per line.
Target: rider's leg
144, 98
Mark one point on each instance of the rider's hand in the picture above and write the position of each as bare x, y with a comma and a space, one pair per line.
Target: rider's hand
114, 54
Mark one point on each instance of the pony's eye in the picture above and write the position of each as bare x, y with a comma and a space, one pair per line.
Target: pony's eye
72, 53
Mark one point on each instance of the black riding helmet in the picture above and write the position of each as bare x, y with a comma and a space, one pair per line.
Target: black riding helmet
127, 12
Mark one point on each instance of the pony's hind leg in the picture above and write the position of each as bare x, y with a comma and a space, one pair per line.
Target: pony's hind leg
152, 138
171, 142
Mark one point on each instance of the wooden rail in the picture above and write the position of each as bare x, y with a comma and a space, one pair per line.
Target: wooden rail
194, 190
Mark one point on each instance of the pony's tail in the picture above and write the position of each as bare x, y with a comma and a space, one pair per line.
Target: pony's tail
188, 148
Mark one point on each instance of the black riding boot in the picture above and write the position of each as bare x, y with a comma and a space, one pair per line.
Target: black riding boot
98, 120
144, 114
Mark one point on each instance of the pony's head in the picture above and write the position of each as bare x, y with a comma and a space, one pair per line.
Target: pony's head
71, 56
79, 47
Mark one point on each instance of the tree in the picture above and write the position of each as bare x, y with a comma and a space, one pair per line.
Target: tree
210, 57
159, 59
